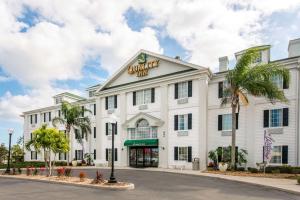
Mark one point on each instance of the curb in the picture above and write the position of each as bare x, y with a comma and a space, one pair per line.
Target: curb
129, 187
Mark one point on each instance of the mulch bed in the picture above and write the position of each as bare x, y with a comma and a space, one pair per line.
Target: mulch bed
259, 174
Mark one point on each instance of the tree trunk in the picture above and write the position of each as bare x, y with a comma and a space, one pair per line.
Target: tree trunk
233, 136
45, 159
50, 168
68, 129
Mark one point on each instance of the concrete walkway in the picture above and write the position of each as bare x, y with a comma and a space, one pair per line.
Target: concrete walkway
287, 185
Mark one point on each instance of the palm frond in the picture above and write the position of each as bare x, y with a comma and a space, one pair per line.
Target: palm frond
58, 120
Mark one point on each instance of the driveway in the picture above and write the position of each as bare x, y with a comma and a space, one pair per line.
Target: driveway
148, 185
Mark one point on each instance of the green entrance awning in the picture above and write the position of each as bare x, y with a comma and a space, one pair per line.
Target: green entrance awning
145, 142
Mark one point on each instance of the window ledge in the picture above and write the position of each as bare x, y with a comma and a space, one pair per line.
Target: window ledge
143, 107
226, 133
183, 100
182, 133
277, 130
110, 111
109, 137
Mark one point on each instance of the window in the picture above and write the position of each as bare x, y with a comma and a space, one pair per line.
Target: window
111, 102
33, 119
33, 155
78, 155
182, 153
259, 58
78, 135
142, 130
46, 116
183, 122
225, 122
58, 100
95, 132
92, 93
276, 118
143, 97
182, 90
62, 156
279, 155
94, 108
222, 86
276, 155
278, 81
109, 128
108, 154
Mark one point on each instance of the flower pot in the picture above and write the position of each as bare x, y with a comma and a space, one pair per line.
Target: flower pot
74, 163
223, 167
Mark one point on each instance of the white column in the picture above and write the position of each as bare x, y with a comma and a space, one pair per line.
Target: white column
203, 115
99, 138
163, 130
123, 131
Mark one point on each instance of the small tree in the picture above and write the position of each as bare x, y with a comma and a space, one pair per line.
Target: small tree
3, 152
17, 153
47, 140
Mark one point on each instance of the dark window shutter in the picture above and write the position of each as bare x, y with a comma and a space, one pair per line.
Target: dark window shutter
263, 153
152, 95
220, 122
59, 156
31, 155
176, 91
106, 103
31, 119
285, 84
49, 116
116, 154
44, 117
285, 155
190, 88
75, 154
176, 122
95, 133
190, 121
236, 154
175, 153
30, 136
266, 118
219, 154
134, 98
81, 154
59, 113
106, 154
220, 89
35, 118
285, 118
237, 120
189, 154
95, 154
65, 156
94, 109
116, 101
82, 110
36, 155
116, 128
106, 128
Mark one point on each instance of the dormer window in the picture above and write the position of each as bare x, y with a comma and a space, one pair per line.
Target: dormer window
58, 100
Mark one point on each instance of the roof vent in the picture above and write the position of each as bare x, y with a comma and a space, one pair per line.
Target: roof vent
177, 57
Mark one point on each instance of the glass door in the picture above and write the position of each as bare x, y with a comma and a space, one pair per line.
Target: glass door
147, 157
139, 157
132, 157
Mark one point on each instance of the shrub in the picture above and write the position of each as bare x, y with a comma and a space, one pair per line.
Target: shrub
82, 176
276, 171
68, 172
35, 171
19, 170
60, 171
296, 171
252, 170
98, 179
240, 169
28, 171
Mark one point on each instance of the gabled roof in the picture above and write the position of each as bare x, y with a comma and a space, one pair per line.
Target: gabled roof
68, 94
162, 57
153, 121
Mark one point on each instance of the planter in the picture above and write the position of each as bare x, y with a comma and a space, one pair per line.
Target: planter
223, 167
74, 163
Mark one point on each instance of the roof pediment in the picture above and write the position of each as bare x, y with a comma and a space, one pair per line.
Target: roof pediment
153, 121
147, 65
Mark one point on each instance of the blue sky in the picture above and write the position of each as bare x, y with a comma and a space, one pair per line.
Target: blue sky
48, 48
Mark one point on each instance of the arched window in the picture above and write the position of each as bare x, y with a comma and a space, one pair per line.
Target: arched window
142, 123
143, 130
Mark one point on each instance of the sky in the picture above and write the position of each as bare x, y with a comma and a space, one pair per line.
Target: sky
53, 46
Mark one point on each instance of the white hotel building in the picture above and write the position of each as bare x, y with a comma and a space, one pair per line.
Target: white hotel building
170, 113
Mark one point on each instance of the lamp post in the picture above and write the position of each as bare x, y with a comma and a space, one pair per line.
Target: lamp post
112, 178
10, 132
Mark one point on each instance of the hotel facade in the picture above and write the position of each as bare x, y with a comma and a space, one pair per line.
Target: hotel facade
168, 113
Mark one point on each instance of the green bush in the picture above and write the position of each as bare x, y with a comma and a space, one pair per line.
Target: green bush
283, 169
276, 171
296, 170
31, 164
240, 169
252, 170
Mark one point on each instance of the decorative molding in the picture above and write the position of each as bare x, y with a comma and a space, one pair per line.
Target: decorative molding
275, 130
226, 133
183, 100
182, 133
143, 107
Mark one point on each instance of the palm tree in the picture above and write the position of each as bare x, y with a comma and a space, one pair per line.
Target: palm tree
73, 118
249, 79
48, 140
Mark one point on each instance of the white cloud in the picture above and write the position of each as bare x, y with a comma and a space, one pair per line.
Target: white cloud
4, 79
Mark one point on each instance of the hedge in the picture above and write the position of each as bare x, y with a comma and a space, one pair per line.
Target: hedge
283, 169
31, 164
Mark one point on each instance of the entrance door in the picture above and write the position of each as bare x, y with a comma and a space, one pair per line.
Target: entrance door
143, 157
139, 157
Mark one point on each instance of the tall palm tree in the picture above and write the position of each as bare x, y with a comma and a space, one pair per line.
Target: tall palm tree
250, 79
73, 118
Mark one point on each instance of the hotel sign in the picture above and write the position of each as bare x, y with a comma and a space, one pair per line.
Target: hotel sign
143, 66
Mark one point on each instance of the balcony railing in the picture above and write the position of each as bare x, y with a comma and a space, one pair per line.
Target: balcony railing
142, 133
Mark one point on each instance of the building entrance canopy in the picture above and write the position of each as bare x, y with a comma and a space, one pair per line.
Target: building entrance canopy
145, 142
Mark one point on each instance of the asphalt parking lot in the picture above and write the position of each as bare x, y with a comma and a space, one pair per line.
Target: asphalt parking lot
148, 185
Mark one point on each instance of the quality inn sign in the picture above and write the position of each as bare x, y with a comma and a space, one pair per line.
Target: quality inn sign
143, 66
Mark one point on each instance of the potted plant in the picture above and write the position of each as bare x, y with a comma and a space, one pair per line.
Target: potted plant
83, 163
74, 162
82, 176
